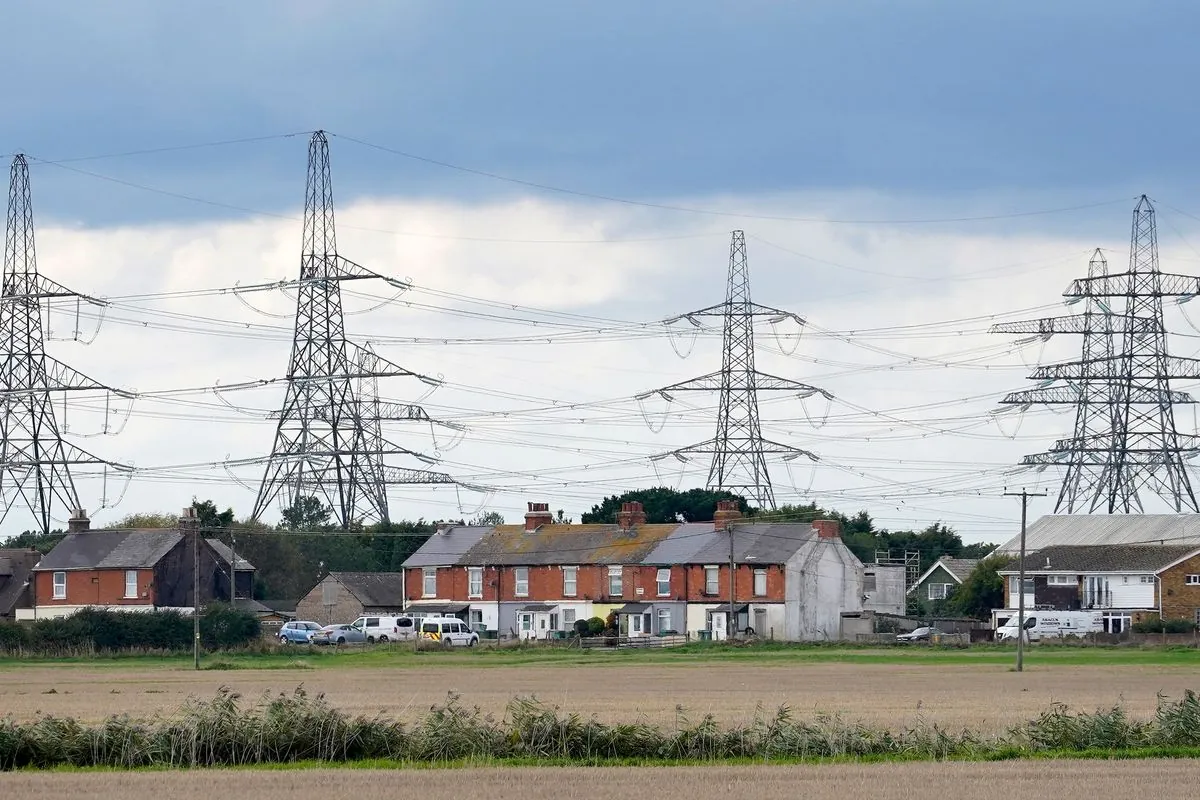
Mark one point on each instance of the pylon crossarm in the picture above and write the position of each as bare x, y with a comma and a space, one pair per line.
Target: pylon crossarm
401, 476
765, 382
60, 378
333, 267
1070, 395
750, 309
1098, 323
1118, 285
369, 364
1109, 368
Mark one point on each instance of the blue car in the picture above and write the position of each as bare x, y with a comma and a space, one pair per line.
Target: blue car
297, 632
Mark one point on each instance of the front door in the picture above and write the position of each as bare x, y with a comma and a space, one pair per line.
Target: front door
635, 625
718, 625
525, 625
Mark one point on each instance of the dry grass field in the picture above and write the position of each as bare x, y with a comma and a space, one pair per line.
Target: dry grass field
982, 696
1064, 780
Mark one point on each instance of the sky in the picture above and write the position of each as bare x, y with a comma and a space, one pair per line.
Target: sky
927, 164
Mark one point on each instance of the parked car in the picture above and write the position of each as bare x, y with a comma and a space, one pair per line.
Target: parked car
450, 631
297, 632
338, 634
386, 629
923, 634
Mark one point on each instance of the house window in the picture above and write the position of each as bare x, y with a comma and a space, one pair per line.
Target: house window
521, 581
329, 593
568, 618
710, 580
1013, 582
570, 581
938, 591
760, 583
616, 583
1147, 579
474, 581
1061, 580
60, 586
1197, 617
475, 615
429, 582
131, 589
1193, 580
664, 619
663, 579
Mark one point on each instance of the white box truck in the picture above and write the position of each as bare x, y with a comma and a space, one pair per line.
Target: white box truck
1052, 624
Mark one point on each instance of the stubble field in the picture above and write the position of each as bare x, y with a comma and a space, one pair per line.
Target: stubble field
1067, 780
982, 696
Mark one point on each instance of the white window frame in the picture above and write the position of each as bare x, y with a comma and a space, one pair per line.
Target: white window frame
521, 581
760, 582
474, 582
712, 579
131, 573
568, 618
937, 591
616, 581
1192, 580
428, 574
663, 612
662, 579
570, 581
1014, 581
1062, 580
60, 586
1147, 579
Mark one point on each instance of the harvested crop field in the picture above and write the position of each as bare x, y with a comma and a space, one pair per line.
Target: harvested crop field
981, 696
1070, 780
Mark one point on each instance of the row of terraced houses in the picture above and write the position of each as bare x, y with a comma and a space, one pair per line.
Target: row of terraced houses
790, 581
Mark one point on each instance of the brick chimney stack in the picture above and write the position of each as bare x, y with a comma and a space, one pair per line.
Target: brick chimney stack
537, 516
78, 522
631, 516
727, 511
827, 528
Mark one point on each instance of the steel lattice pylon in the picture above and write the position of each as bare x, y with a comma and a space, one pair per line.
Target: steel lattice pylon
35, 461
738, 450
1125, 437
328, 442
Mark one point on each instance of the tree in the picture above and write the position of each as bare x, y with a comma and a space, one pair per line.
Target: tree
143, 521
307, 513
663, 505
488, 519
209, 517
35, 540
983, 589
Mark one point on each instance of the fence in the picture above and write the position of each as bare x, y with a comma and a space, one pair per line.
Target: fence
595, 642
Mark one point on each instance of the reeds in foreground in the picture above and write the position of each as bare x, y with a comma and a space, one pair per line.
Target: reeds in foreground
294, 727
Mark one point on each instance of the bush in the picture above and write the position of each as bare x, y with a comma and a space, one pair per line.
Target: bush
595, 626
582, 627
1164, 626
102, 630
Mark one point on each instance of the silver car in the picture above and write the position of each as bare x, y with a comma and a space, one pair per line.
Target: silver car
339, 634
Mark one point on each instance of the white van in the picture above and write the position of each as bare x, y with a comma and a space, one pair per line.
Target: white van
1052, 624
386, 629
449, 631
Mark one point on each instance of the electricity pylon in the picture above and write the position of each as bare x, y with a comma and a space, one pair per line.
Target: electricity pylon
35, 461
738, 450
328, 442
1125, 437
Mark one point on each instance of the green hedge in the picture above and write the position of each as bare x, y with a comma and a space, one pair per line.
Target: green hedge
100, 630
1164, 626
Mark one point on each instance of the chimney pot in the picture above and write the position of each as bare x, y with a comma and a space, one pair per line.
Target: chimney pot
827, 528
78, 522
537, 516
631, 515
727, 511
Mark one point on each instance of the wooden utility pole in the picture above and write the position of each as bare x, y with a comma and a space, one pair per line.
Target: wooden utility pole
731, 624
1024, 495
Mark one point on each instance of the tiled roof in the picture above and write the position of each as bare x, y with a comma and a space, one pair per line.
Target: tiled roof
14, 577
110, 550
373, 588
959, 568
762, 543
1115, 558
1108, 529
565, 544
222, 551
445, 548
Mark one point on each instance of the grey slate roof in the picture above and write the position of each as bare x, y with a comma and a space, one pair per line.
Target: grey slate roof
959, 568
512, 545
110, 550
1109, 529
374, 588
1092, 558
222, 551
446, 549
15, 577
762, 543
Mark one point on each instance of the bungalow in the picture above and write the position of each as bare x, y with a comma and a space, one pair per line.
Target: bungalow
342, 597
16, 567
789, 581
938, 582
